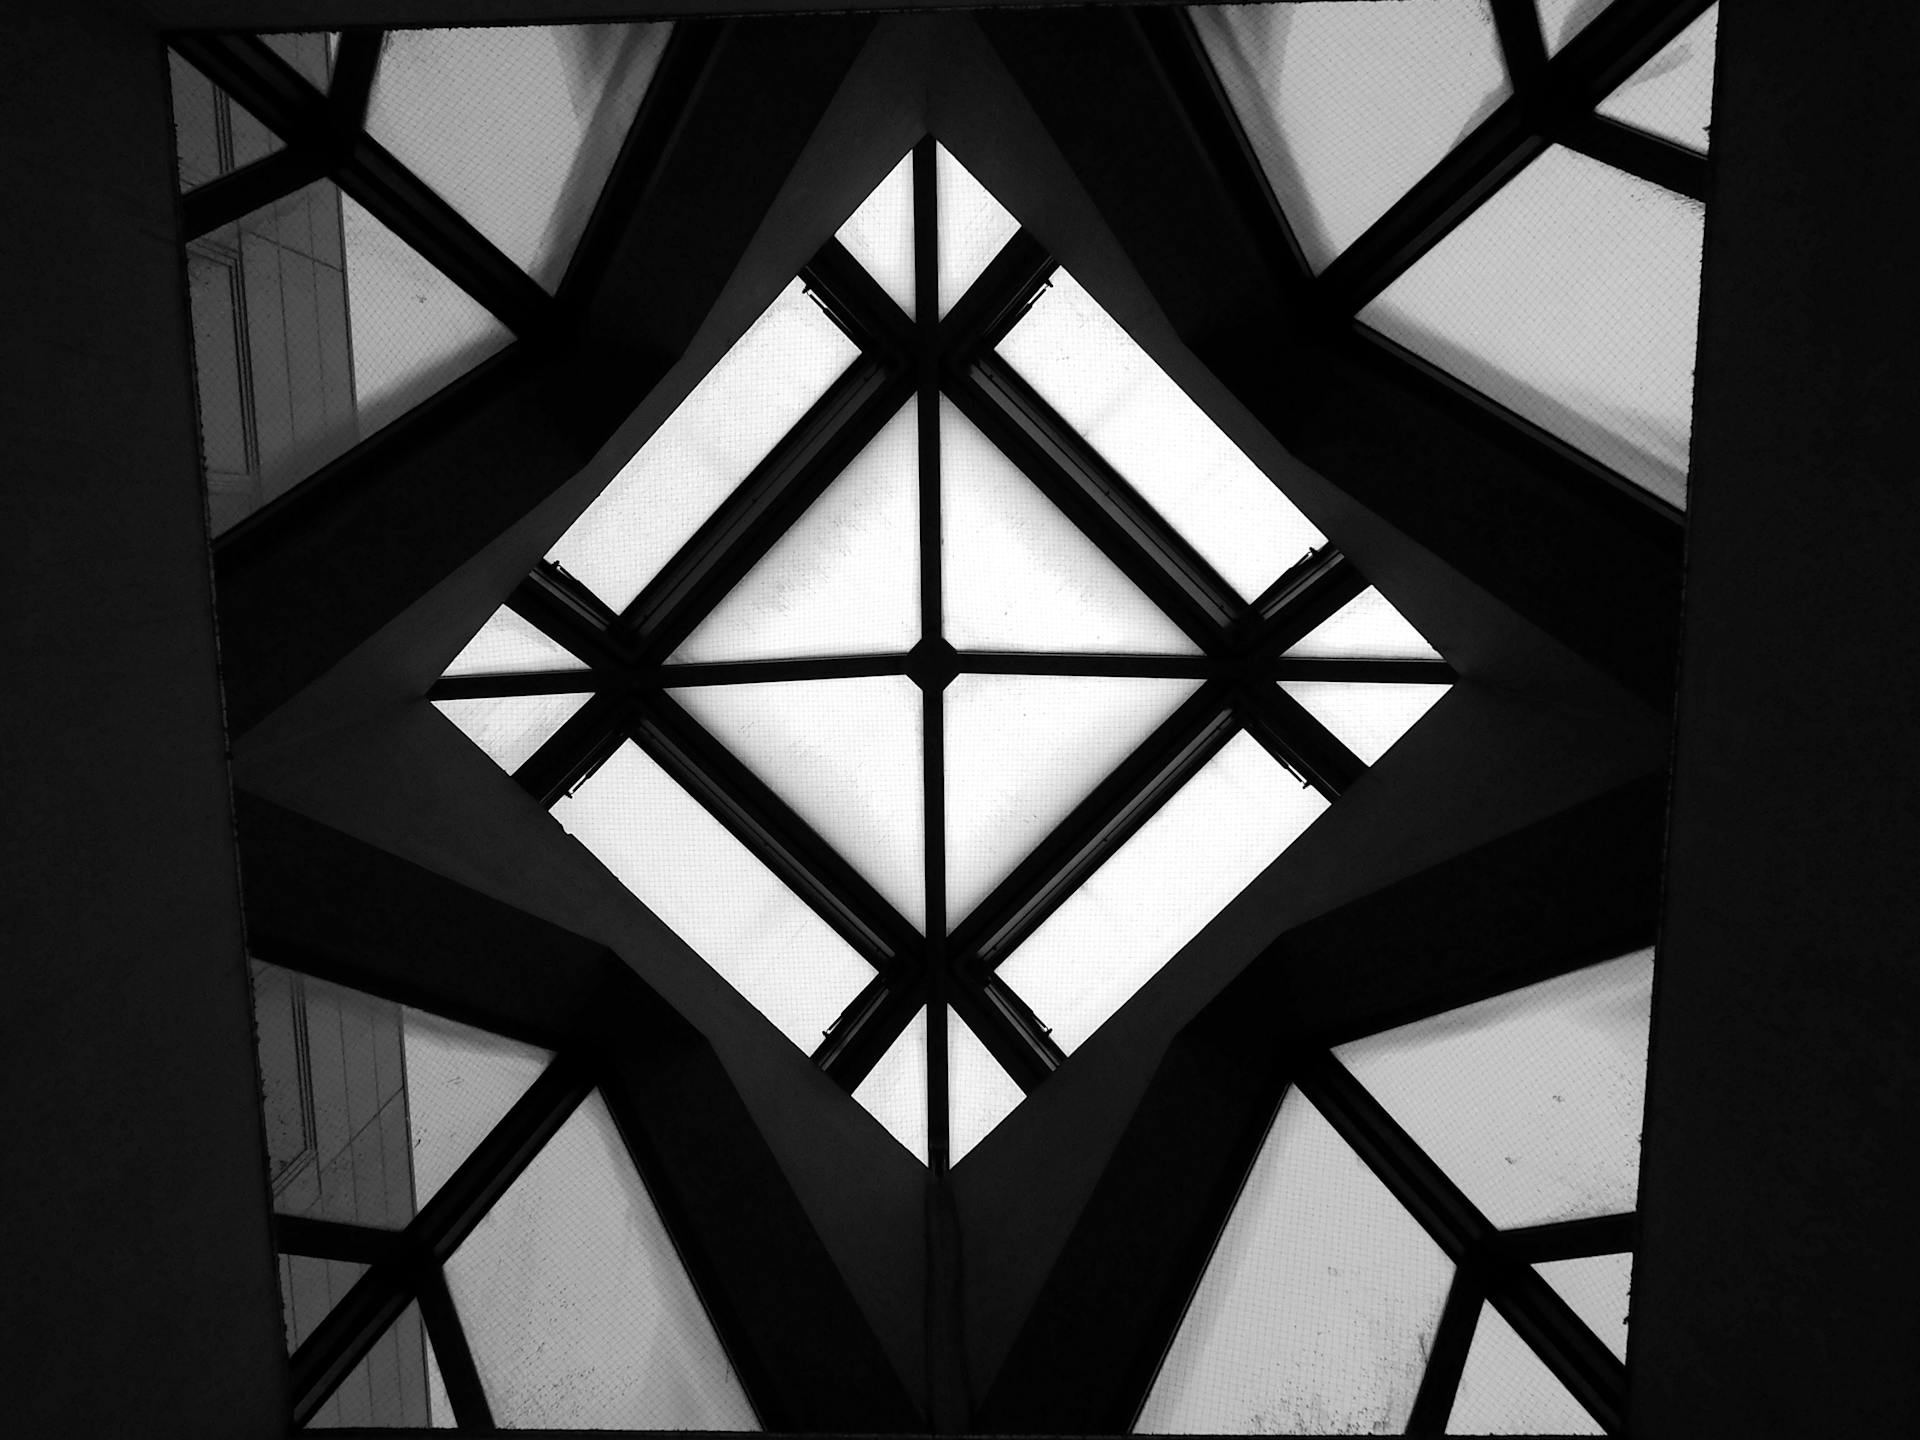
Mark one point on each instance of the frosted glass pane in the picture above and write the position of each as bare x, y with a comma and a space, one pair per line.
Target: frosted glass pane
1018, 575
1561, 20
510, 728
510, 645
1530, 1101
1316, 1312
980, 1094
974, 227
1367, 627
310, 52
725, 426
845, 754
1145, 426
1368, 719
212, 135
516, 128
1597, 1287
1572, 297
1347, 106
895, 1090
460, 1084
388, 1388
309, 1289
576, 1305
439, 1405
1672, 94
1506, 1389
845, 580
1179, 870
1022, 751
688, 869
880, 234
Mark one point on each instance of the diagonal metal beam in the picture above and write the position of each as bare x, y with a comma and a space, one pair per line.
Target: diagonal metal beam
1447, 1360
465, 1393
579, 747
351, 86
1571, 1239
1290, 733
1651, 158
222, 201
1298, 602
333, 1240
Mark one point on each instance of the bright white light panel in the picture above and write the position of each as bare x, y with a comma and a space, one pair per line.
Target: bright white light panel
879, 234
510, 645
895, 1090
1368, 719
510, 728
1561, 20
980, 1094
1506, 1389
1598, 1288
974, 227
1672, 94
1367, 627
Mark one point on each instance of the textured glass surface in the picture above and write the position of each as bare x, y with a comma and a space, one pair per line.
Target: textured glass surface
692, 872
460, 1084
439, 1405
510, 645
211, 134
1561, 20
880, 234
1672, 94
575, 1303
980, 1094
309, 1289
308, 51
1179, 870
510, 728
388, 1388
1598, 1288
1367, 627
1347, 106
1571, 297
1016, 574
1506, 1389
726, 425
1144, 425
1530, 1101
895, 1090
1315, 1314
1022, 751
973, 227
845, 579
1367, 718
517, 128
845, 754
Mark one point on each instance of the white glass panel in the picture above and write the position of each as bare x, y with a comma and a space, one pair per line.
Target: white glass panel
1672, 94
895, 1090
1367, 627
980, 1094
1506, 1389
517, 128
460, 1084
974, 227
1572, 297
388, 1387
1318, 1307
1561, 20
511, 645
1368, 719
1347, 106
845, 580
576, 1305
1022, 751
1179, 870
845, 754
511, 727
1530, 1101
726, 426
1145, 426
1597, 1287
1016, 574
688, 869
880, 234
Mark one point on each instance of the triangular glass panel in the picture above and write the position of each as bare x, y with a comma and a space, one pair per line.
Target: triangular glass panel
1022, 751
1347, 106
1318, 1308
308, 51
844, 579
974, 227
460, 1084
309, 1289
1368, 719
510, 728
212, 133
980, 1093
1367, 627
879, 235
1571, 297
1530, 1101
1561, 20
895, 1090
691, 871
575, 1303
1160, 889
845, 754
733, 417
388, 1388
509, 644
1672, 94
1598, 1288
440, 1414
1506, 1389
1149, 429
1016, 574
517, 128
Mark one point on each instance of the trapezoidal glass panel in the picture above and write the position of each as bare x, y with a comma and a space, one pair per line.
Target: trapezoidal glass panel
509, 644
1318, 1307
1598, 1287
212, 134
692, 872
1571, 297
1159, 890
1368, 719
576, 1305
1561, 20
388, 1388
1529, 1101
1144, 425
980, 1093
515, 127
895, 1090
879, 235
1347, 106
1367, 627
1672, 94
974, 227
769, 379
1506, 1389
510, 728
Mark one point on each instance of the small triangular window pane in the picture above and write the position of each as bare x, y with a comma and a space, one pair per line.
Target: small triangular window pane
974, 227
309, 1289
1367, 627
1672, 94
212, 133
980, 1093
879, 235
1368, 719
388, 1388
1506, 1389
509, 644
510, 728
1598, 1288
895, 1090
1561, 20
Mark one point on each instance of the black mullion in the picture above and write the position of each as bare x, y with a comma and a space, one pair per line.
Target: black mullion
1452, 1341
526, 682
455, 1357
870, 1026
570, 615
1649, 156
996, 300
1007, 1026
575, 750
240, 192
266, 86
354, 64
757, 672
1299, 601
1578, 1358
1365, 672
857, 303
1521, 43
333, 1240
1291, 734
1570, 1239
1047, 662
